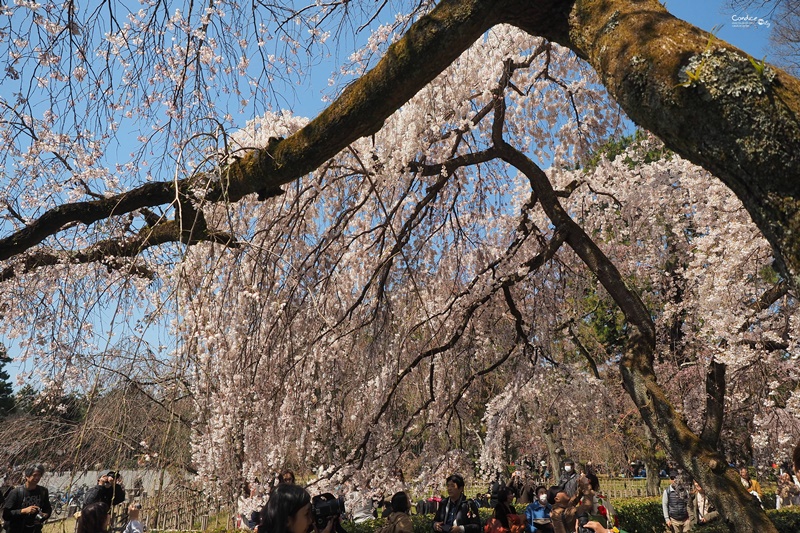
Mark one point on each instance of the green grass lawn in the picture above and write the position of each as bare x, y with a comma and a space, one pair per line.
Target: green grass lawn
66, 525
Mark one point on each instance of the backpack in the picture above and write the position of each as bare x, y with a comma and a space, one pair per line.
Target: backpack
473, 513
4, 495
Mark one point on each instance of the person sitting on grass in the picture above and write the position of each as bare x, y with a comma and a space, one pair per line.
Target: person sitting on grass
537, 514
399, 521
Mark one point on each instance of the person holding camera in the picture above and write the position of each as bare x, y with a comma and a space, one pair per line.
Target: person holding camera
109, 490
134, 525
565, 510
597, 527
537, 514
27, 506
288, 510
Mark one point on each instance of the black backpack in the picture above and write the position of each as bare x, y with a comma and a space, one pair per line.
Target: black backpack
473, 513
3, 497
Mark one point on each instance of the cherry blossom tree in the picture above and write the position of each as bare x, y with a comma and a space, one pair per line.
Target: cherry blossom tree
413, 250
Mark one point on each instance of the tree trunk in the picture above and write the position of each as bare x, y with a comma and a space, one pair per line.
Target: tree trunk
695, 455
555, 450
653, 487
708, 467
707, 100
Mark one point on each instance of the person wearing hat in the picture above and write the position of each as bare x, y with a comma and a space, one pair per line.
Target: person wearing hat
109, 489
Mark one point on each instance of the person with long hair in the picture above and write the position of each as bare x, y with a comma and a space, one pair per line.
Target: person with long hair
94, 518
288, 510
504, 507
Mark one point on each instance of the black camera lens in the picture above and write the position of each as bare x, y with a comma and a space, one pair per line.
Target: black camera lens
324, 507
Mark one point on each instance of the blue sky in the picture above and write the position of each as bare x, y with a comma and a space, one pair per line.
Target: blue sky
748, 29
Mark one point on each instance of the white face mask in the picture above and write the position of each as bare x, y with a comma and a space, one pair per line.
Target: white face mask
567, 469
543, 499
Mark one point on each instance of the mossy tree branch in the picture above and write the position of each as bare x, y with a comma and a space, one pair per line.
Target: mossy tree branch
707, 100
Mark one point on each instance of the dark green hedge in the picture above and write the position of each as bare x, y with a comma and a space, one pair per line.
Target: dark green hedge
643, 515
422, 523
636, 515
639, 515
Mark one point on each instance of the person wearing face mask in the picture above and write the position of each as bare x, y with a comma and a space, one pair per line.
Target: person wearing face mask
537, 514
288, 510
569, 479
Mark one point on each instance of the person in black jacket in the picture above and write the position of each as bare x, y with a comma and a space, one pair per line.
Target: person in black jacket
494, 489
569, 478
454, 514
27, 506
504, 506
109, 490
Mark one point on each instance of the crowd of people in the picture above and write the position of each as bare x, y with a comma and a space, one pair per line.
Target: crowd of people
574, 505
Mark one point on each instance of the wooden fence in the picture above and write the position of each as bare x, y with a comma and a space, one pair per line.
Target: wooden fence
179, 509
174, 509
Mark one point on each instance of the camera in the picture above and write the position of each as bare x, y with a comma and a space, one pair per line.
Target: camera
325, 507
582, 521
40, 516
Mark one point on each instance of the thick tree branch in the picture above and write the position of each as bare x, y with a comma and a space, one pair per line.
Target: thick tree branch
430, 45
583, 351
110, 251
715, 404
54, 220
704, 462
708, 101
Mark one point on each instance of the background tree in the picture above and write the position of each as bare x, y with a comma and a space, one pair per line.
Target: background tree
7, 402
784, 36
